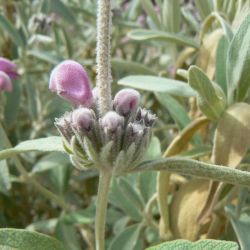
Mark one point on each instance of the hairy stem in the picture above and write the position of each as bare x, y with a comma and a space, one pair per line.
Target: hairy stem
198, 169
45, 192
101, 208
103, 56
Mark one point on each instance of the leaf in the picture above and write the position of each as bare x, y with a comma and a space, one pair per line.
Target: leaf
131, 67
127, 239
143, 34
232, 135
211, 99
154, 149
11, 30
185, 208
24, 239
68, 235
118, 198
221, 57
158, 84
45, 56
149, 8
198, 245
5, 182
84, 216
176, 110
50, 161
241, 226
238, 62
204, 7
53, 143
59, 7
12, 104
45, 226
171, 15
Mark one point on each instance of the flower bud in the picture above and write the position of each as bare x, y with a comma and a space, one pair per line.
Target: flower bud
5, 82
71, 82
126, 101
111, 121
82, 119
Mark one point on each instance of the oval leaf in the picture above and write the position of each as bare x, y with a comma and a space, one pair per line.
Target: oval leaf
201, 244
158, 84
53, 143
143, 34
24, 239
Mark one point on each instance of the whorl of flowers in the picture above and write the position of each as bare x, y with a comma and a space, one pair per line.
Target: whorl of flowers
116, 141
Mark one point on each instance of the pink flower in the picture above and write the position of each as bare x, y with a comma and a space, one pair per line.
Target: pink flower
5, 82
70, 81
126, 101
8, 67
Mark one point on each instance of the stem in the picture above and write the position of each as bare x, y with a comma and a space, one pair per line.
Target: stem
104, 21
101, 208
198, 169
30, 178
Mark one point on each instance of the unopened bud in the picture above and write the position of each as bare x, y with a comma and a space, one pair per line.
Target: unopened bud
111, 121
8, 67
5, 82
71, 82
126, 101
82, 119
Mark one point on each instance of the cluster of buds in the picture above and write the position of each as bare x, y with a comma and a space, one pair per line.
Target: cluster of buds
8, 71
118, 140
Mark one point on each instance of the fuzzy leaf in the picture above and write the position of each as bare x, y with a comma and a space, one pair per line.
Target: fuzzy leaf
211, 99
23, 239
53, 143
232, 136
238, 62
158, 84
143, 34
201, 244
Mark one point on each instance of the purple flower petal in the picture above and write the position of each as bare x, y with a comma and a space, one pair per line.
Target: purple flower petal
70, 81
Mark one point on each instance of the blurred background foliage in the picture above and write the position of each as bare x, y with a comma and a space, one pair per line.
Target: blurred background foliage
149, 39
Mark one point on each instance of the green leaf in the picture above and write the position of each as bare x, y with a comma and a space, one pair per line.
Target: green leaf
176, 110
68, 235
241, 226
53, 143
171, 15
26, 240
84, 216
131, 193
154, 149
238, 62
45, 56
149, 8
131, 67
50, 161
11, 31
143, 34
5, 182
204, 7
158, 84
59, 7
221, 57
211, 99
127, 239
201, 244
118, 198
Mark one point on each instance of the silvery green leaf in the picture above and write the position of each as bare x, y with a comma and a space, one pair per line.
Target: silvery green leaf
211, 99
238, 62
